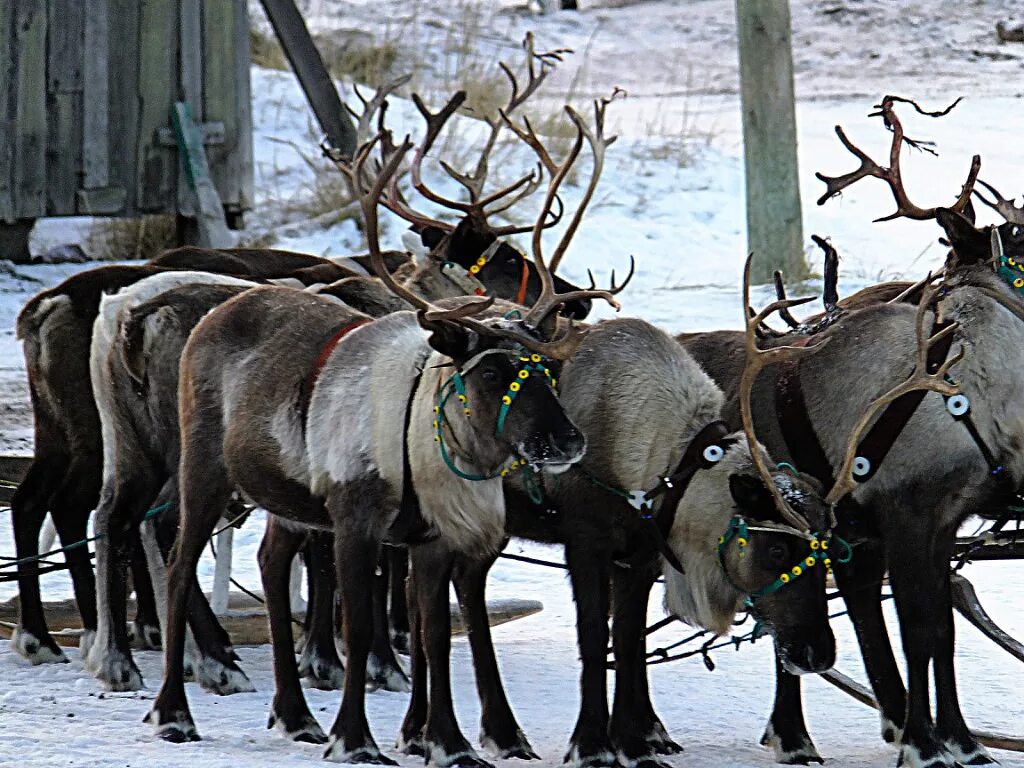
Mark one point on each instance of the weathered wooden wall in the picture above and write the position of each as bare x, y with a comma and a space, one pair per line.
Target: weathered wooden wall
86, 90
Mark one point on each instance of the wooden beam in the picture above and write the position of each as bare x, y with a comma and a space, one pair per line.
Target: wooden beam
774, 219
96, 73
30, 128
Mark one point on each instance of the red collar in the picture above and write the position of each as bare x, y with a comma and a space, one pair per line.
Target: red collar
306, 390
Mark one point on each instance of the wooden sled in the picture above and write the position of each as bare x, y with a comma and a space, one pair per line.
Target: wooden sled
245, 620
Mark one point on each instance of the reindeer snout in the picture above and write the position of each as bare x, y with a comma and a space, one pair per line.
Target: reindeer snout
812, 656
555, 452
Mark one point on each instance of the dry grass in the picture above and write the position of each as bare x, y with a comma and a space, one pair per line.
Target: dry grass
265, 51
123, 239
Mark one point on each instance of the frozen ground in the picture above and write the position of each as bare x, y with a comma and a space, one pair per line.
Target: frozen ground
674, 201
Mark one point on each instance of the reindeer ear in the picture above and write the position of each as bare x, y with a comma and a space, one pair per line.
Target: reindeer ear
432, 236
751, 496
451, 339
970, 244
466, 243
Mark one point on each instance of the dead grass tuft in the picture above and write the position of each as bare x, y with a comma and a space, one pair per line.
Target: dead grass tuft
127, 239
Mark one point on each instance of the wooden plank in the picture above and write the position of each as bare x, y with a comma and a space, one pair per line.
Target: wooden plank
157, 69
124, 112
774, 217
95, 116
190, 76
219, 91
102, 201
242, 157
7, 121
66, 33
65, 159
213, 232
30, 113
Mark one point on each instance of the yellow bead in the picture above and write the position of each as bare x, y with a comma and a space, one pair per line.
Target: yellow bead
435, 425
462, 398
1011, 262
466, 411
504, 473
535, 358
1018, 283
797, 570
437, 438
824, 545
721, 539
524, 359
741, 541
828, 563
481, 262
474, 269
815, 544
436, 409
524, 374
809, 562
784, 578
514, 386
506, 400
554, 383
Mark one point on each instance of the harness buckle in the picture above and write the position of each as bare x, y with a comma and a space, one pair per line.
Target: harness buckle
638, 500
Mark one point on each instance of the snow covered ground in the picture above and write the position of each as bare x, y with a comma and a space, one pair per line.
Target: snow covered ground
675, 201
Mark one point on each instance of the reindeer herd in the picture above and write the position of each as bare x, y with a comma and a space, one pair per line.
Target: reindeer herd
403, 415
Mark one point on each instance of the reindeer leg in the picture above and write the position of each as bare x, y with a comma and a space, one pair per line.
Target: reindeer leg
118, 516
410, 738
289, 712
915, 582
383, 669
433, 565
636, 731
786, 733
500, 733
860, 582
398, 613
205, 491
319, 662
31, 639
950, 727
71, 505
588, 554
145, 629
357, 545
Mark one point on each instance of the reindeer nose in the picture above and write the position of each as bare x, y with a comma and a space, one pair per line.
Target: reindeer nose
571, 444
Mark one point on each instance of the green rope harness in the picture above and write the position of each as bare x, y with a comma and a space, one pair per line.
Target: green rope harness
77, 544
456, 385
819, 551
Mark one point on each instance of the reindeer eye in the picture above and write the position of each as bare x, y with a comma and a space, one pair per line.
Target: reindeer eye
512, 261
778, 553
1015, 231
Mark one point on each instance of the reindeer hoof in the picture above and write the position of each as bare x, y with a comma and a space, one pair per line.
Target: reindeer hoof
400, 641
792, 750
304, 728
969, 752
463, 760
518, 747
338, 754
323, 674
178, 729
603, 758
413, 746
115, 670
660, 742
390, 677
912, 756
221, 679
144, 637
36, 650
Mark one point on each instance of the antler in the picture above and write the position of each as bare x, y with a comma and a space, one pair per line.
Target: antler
615, 290
891, 175
1002, 205
368, 201
757, 359
919, 379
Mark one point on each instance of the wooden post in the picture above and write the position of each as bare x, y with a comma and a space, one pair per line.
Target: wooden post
774, 223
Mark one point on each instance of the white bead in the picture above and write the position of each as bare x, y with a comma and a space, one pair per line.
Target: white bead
713, 453
861, 466
958, 405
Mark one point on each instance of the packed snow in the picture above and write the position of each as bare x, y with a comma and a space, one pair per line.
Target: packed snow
672, 196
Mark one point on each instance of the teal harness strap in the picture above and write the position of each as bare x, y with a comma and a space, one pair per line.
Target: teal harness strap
819, 551
456, 385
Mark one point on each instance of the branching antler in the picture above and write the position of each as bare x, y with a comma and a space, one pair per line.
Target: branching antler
615, 290
758, 359
830, 273
522, 332
1004, 206
891, 175
920, 378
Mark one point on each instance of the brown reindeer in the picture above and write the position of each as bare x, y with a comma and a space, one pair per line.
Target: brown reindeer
903, 514
341, 465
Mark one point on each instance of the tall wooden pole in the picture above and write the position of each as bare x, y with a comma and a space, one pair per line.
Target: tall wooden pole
774, 223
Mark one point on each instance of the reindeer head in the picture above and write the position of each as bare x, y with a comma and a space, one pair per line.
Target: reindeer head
476, 246
505, 367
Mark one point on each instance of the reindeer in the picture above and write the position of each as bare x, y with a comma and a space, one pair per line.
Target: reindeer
343, 468
903, 515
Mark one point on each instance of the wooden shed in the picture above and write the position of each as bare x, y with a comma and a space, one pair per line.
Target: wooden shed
86, 93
